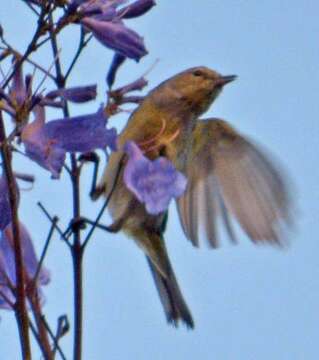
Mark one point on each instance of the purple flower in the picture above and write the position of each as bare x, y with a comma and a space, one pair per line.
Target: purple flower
81, 133
88, 7
119, 95
7, 264
136, 85
18, 91
137, 8
40, 148
18, 101
78, 94
118, 60
5, 209
154, 183
115, 35
102, 18
47, 143
97, 7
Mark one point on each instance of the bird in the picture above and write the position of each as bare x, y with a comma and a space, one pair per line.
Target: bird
228, 176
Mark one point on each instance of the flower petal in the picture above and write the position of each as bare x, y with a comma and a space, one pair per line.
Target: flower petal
5, 210
116, 36
154, 183
39, 148
18, 91
5, 292
46, 155
136, 85
77, 94
137, 8
48, 143
81, 133
7, 263
117, 61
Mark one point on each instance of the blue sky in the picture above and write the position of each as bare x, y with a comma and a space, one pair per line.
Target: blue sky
248, 302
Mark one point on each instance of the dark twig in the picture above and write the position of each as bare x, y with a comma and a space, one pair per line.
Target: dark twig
54, 339
107, 228
101, 212
11, 50
62, 328
82, 45
31, 7
76, 248
35, 333
32, 45
60, 81
45, 249
56, 226
42, 330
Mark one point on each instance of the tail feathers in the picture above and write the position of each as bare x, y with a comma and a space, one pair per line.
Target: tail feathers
171, 297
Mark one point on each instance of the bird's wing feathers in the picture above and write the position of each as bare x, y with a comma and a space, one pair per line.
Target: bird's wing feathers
229, 175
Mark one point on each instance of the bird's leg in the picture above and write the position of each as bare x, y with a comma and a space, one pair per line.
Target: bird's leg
113, 228
93, 158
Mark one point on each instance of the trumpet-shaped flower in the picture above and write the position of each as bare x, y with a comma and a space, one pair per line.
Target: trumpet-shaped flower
154, 183
48, 143
7, 265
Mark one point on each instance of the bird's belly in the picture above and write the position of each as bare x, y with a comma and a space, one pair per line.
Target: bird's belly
124, 204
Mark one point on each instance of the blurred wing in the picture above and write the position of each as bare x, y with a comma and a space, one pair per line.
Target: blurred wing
228, 175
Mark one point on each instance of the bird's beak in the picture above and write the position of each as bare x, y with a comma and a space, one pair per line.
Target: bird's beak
223, 80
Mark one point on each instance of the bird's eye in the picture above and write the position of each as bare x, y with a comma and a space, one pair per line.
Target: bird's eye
197, 73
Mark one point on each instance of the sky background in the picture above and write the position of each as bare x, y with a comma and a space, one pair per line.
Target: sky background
248, 302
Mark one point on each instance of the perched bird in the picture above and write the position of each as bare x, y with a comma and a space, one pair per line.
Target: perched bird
227, 175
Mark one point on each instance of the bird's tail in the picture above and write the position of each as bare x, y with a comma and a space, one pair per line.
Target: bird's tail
171, 297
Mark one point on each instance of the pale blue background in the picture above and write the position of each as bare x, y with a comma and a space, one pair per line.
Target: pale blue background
248, 303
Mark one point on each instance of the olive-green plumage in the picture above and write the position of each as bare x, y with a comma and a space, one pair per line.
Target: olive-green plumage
226, 175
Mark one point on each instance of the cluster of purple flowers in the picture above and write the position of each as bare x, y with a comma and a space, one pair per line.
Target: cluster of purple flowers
154, 183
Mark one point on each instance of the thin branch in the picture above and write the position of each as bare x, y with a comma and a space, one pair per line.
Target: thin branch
54, 339
56, 226
58, 69
31, 7
46, 75
76, 248
20, 308
82, 45
62, 328
32, 45
30, 61
101, 212
42, 331
35, 333
106, 228
45, 249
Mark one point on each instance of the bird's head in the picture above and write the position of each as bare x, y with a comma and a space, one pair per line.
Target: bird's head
192, 90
